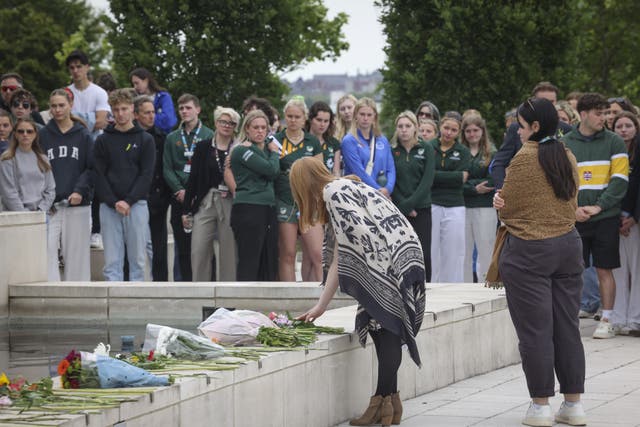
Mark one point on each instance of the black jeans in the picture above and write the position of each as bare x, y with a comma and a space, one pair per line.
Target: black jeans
389, 352
182, 241
255, 229
158, 229
422, 226
543, 283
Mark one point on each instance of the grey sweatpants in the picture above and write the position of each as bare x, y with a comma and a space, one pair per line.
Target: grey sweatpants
543, 283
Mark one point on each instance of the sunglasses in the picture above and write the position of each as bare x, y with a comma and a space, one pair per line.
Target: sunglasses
24, 104
424, 114
618, 100
25, 131
9, 88
227, 123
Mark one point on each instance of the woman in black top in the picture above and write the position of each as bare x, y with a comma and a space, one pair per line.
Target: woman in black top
208, 199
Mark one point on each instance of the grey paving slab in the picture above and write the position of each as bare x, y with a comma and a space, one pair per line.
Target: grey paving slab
500, 398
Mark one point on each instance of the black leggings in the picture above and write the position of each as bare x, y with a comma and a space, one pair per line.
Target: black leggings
389, 351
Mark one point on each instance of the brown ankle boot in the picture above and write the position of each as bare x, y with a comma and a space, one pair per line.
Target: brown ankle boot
371, 414
386, 411
397, 408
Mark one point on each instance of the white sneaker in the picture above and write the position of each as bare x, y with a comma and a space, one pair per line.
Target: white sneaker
538, 416
585, 314
621, 329
604, 330
96, 241
572, 415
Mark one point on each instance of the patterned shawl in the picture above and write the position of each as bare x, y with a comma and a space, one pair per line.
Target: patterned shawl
380, 261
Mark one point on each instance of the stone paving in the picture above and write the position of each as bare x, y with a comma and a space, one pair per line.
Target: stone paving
500, 398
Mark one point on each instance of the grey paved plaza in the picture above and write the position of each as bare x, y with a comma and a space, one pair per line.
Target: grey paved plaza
500, 398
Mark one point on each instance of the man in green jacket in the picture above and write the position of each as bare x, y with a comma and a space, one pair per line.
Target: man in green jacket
176, 160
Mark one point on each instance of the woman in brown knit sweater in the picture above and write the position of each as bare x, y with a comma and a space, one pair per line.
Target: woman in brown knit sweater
541, 264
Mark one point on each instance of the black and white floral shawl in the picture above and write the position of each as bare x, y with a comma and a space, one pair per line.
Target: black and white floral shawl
380, 261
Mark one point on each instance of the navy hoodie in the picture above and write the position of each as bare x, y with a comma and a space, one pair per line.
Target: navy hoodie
71, 157
124, 165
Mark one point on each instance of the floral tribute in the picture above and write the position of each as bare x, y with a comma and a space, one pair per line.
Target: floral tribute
18, 391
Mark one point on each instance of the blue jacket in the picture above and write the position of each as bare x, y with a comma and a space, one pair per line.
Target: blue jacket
166, 118
355, 154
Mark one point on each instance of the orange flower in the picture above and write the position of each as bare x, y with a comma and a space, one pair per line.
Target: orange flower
63, 366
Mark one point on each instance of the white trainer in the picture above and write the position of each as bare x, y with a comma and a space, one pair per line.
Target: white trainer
538, 416
604, 331
572, 415
96, 241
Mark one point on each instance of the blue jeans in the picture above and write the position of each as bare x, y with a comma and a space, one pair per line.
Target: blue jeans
590, 301
119, 231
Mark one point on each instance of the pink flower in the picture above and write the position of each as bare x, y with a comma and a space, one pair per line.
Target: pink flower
5, 401
273, 315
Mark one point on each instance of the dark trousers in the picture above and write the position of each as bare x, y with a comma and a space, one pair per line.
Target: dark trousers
95, 215
422, 226
158, 229
255, 228
389, 352
182, 241
543, 283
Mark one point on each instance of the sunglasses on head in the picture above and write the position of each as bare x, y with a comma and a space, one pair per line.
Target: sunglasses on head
25, 131
9, 88
618, 100
24, 104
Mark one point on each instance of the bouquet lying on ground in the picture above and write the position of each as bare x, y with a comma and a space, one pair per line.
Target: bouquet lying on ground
81, 369
166, 341
290, 332
18, 391
238, 327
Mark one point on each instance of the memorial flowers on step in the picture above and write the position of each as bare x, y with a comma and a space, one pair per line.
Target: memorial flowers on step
90, 370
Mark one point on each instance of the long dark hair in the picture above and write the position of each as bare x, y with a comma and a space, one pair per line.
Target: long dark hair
144, 74
633, 147
10, 153
316, 108
552, 154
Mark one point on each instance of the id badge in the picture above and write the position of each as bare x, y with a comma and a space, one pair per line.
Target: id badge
187, 168
188, 154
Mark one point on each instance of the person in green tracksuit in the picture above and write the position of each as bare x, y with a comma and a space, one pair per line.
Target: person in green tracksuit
296, 144
255, 164
415, 169
447, 207
480, 216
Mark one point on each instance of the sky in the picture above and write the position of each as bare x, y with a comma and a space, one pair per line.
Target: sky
363, 32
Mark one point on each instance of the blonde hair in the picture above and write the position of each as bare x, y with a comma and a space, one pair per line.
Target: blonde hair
365, 102
121, 96
233, 114
412, 118
10, 153
485, 145
308, 177
569, 111
341, 126
253, 115
68, 95
297, 103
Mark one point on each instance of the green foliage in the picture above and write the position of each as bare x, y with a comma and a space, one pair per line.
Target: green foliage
223, 51
33, 34
489, 54
470, 54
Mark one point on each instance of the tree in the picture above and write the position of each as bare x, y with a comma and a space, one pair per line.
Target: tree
32, 36
477, 54
223, 51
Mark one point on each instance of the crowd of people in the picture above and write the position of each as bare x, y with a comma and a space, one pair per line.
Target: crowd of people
108, 165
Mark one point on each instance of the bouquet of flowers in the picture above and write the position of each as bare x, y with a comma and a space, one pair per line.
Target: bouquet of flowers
286, 321
238, 327
89, 370
166, 341
19, 392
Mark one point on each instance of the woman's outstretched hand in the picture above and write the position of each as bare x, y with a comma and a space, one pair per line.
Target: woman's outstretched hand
311, 315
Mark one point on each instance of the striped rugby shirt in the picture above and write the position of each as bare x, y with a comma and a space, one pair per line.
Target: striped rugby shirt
603, 168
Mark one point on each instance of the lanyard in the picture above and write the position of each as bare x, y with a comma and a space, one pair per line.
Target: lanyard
194, 141
215, 151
